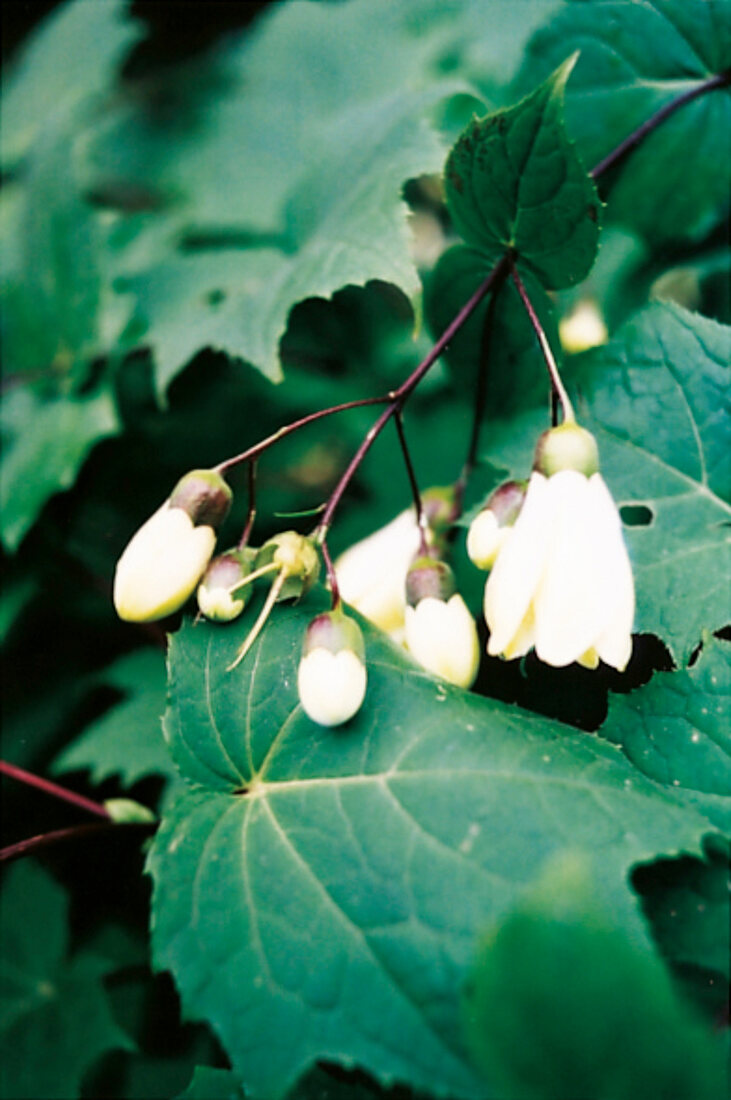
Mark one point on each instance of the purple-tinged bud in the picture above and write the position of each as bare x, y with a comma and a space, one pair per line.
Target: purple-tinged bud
428, 577
204, 496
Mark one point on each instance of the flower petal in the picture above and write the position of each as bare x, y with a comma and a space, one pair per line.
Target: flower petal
519, 567
614, 643
161, 565
372, 574
568, 602
331, 686
442, 637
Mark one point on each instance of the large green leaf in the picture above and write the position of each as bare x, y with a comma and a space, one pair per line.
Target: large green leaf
657, 398
675, 729
328, 886
556, 954
345, 225
127, 741
247, 123
45, 443
55, 1019
634, 59
513, 180
74, 55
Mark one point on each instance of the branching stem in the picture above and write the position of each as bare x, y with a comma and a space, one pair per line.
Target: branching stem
62, 793
287, 429
722, 80
398, 396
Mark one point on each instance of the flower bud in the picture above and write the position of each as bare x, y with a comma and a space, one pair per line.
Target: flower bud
296, 557
440, 632
331, 679
205, 496
164, 561
567, 447
428, 577
583, 327
488, 529
218, 598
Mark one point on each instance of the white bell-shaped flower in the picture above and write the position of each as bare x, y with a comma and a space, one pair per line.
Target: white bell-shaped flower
440, 632
164, 561
371, 574
331, 678
562, 582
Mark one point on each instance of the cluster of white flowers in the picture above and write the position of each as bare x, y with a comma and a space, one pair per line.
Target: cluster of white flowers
559, 582
560, 579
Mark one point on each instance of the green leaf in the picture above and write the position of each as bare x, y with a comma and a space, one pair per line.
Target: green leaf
514, 181
52, 278
73, 56
657, 399
675, 729
345, 225
127, 740
208, 1083
46, 443
359, 865
51, 1004
634, 59
528, 1013
516, 373
248, 124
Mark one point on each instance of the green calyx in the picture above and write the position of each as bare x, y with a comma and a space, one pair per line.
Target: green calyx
567, 447
294, 556
205, 496
334, 631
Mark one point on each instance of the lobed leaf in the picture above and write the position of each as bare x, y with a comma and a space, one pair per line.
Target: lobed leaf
127, 740
345, 226
359, 865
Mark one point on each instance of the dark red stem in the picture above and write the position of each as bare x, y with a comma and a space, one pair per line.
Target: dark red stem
620, 152
398, 397
53, 789
287, 429
74, 832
